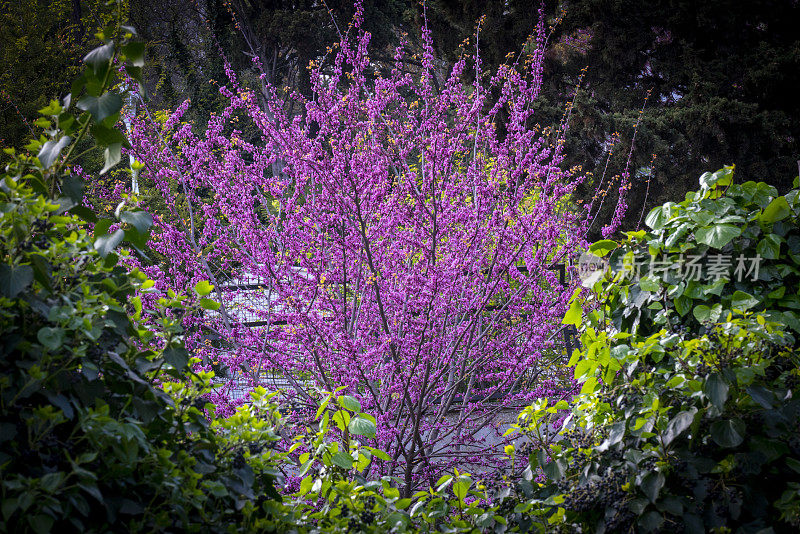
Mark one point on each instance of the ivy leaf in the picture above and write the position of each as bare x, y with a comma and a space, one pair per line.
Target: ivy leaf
112, 154
100, 56
777, 210
574, 314
106, 243
602, 247
728, 433
718, 235
349, 403
53, 108
362, 427
769, 247
141, 219
14, 278
208, 304
51, 150
342, 459
678, 424
555, 469
101, 106
52, 338
177, 357
615, 435
743, 301
651, 485
716, 389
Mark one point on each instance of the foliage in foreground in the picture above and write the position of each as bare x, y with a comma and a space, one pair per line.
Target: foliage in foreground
688, 413
99, 425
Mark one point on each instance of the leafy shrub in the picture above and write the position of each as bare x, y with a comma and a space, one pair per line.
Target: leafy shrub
685, 420
724, 227
102, 423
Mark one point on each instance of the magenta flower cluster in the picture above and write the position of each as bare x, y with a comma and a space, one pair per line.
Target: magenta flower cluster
390, 239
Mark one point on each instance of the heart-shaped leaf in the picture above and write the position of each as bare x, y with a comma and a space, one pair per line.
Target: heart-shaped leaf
14, 278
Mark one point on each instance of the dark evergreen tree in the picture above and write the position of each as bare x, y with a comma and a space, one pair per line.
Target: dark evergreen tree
722, 77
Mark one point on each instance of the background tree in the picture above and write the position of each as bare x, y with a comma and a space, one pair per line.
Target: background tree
41, 45
721, 80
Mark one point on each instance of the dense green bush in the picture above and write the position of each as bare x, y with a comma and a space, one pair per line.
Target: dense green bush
719, 224
688, 417
103, 426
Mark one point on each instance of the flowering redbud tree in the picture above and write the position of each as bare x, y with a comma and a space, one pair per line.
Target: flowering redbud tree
392, 239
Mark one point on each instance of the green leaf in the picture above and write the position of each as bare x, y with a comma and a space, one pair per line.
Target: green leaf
14, 278
362, 427
649, 283
728, 433
792, 463
209, 304
704, 313
651, 521
555, 469
683, 304
342, 419
377, 453
100, 56
574, 314
51, 150
141, 220
701, 218
52, 338
72, 187
651, 485
762, 396
102, 226
177, 357
112, 155
777, 210
342, 459
769, 247
603, 247
615, 435
678, 424
743, 301
106, 243
701, 313
718, 235
657, 217
716, 389
203, 288
722, 177
349, 403
134, 53
306, 484
41, 523
101, 106
107, 136
461, 487
53, 108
